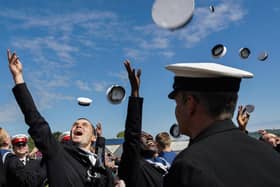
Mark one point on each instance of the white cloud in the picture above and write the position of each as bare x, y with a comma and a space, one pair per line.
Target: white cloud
168, 54
204, 22
9, 113
135, 54
155, 43
100, 86
121, 75
37, 46
83, 85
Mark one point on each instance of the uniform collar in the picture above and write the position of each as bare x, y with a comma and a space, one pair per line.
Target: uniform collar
214, 128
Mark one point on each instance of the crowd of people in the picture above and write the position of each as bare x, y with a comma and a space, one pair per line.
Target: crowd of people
219, 153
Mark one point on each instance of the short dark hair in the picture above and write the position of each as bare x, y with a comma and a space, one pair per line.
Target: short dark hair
216, 103
93, 129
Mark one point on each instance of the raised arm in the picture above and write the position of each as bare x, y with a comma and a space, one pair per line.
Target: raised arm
130, 164
39, 128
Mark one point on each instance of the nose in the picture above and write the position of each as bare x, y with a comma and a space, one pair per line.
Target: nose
79, 125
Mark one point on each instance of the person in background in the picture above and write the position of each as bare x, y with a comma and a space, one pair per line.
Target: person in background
270, 138
163, 141
219, 154
67, 164
16, 173
138, 167
64, 137
20, 147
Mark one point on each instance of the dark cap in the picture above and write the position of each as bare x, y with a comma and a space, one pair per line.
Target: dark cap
206, 77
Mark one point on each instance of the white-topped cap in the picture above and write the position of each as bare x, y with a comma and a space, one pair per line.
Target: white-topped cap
172, 14
84, 101
207, 69
206, 77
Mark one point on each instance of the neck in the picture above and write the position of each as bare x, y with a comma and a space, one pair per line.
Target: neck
167, 149
85, 148
198, 124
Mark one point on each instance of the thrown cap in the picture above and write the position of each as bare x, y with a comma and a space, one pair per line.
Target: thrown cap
19, 138
84, 101
206, 77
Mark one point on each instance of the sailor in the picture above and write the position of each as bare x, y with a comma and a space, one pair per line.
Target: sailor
219, 154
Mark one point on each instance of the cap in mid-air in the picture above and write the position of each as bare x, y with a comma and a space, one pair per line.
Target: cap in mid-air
219, 51
172, 14
84, 101
263, 56
175, 130
244, 53
115, 94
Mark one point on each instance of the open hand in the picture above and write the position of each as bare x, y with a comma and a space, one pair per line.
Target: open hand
134, 79
15, 67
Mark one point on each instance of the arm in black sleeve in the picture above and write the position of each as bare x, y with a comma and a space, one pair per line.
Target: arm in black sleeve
39, 128
100, 149
130, 160
2, 173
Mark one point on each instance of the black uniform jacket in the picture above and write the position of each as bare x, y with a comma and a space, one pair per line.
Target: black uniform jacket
134, 170
33, 174
223, 156
66, 164
2, 174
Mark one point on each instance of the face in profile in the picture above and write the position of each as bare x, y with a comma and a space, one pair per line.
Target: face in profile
82, 132
148, 142
181, 112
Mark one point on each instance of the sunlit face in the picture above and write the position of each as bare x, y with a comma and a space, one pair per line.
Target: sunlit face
20, 149
82, 133
270, 138
181, 113
148, 142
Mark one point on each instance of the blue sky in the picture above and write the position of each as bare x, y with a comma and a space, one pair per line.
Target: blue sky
76, 48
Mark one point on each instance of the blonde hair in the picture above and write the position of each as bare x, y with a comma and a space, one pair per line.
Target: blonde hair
4, 138
163, 140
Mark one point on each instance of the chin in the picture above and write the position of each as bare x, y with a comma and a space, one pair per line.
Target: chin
76, 140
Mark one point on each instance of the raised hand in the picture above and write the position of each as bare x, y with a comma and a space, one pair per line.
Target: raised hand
242, 118
98, 129
134, 78
15, 67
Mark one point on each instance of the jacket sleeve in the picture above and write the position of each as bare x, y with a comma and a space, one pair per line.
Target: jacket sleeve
130, 160
39, 128
100, 150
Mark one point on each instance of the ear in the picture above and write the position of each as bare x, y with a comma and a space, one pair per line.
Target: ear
192, 104
93, 138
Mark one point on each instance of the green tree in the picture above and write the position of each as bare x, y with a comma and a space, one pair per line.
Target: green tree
57, 134
30, 143
120, 134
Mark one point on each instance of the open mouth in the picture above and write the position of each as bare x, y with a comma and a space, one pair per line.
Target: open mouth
78, 132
